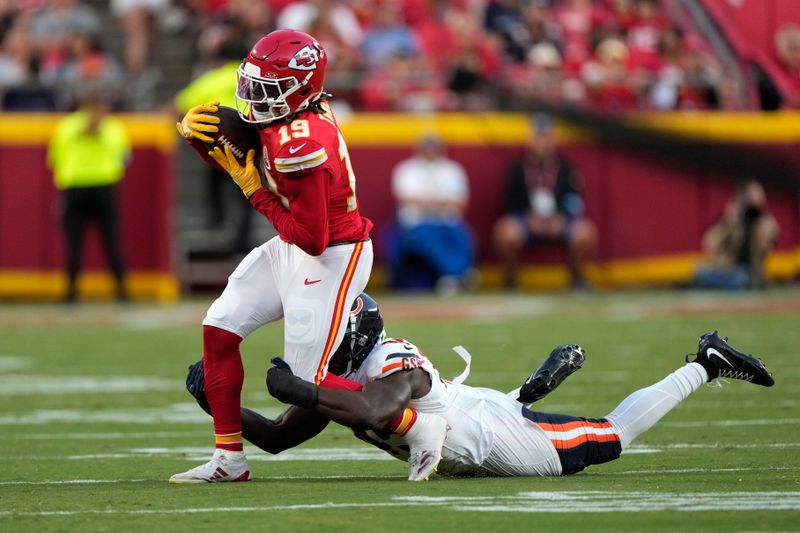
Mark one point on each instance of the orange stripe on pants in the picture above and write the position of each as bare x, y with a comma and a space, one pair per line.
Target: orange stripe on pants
339, 309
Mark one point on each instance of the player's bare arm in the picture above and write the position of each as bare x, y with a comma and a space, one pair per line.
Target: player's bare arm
377, 403
292, 428
370, 408
382, 404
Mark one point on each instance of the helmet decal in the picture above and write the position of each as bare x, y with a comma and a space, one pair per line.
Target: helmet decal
364, 331
358, 305
305, 59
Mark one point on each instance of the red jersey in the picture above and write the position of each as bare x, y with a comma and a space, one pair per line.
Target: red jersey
310, 187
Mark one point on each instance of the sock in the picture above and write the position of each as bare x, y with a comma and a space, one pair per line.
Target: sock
402, 422
231, 443
641, 410
224, 376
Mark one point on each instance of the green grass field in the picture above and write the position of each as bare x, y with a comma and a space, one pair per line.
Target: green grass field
95, 418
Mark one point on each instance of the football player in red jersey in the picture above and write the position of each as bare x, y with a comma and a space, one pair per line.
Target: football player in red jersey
320, 260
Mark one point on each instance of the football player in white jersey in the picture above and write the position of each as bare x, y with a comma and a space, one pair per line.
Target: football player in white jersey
490, 432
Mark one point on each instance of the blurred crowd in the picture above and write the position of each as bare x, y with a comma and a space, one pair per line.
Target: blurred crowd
405, 55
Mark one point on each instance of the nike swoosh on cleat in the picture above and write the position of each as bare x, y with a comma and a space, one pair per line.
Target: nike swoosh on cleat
713, 351
294, 149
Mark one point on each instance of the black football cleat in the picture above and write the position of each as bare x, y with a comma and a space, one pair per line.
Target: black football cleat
564, 360
721, 360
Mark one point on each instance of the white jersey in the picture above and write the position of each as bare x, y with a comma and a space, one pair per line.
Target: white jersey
488, 434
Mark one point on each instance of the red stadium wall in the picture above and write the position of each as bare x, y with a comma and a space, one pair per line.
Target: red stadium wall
650, 214
31, 242
642, 207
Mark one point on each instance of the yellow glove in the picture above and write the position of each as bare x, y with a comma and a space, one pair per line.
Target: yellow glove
198, 120
246, 177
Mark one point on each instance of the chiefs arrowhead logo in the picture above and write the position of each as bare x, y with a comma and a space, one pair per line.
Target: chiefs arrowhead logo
305, 59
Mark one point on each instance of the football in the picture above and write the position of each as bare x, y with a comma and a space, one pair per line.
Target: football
234, 133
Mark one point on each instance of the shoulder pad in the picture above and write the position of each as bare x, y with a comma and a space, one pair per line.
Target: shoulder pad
300, 156
400, 361
391, 356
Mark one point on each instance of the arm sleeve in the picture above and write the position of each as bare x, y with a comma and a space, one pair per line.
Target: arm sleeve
305, 223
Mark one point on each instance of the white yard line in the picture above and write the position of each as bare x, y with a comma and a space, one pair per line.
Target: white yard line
727, 423
15, 362
114, 435
41, 385
365, 477
201, 453
179, 413
523, 502
352, 453
699, 470
72, 482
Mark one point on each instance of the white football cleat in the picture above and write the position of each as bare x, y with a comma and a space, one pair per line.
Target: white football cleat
224, 466
425, 439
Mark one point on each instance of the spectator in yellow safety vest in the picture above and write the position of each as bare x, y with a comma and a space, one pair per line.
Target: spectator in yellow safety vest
88, 155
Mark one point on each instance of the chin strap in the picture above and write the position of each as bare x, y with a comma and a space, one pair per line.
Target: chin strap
465, 355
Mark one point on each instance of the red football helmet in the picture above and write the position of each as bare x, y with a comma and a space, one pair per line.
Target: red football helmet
282, 74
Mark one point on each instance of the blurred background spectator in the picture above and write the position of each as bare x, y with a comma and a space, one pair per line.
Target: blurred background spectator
137, 19
88, 154
414, 55
544, 204
54, 25
432, 243
787, 47
233, 28
17, 60
85, 63
737, 245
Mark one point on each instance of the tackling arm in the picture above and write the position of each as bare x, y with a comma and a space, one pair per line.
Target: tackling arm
372, 407
293, 427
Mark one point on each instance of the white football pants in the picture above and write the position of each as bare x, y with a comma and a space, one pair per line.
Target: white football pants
313, 295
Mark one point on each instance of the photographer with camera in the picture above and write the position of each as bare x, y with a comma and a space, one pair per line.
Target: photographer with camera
738, 243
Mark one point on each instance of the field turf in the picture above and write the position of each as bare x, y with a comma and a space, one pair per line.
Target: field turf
95, 418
